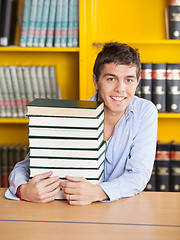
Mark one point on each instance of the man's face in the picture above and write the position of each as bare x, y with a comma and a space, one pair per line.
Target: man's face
116, 87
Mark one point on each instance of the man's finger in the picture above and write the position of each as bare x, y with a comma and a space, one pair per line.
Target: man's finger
42, 176
75, 179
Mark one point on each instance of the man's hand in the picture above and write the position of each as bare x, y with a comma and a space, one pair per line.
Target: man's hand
42, 188
79, 191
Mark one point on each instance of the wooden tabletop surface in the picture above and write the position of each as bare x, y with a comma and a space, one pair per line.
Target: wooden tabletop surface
156, 215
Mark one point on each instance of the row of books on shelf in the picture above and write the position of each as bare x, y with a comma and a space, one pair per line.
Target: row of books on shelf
19, 85
160, 83
41, 23
67, 137
166, 170
9, 156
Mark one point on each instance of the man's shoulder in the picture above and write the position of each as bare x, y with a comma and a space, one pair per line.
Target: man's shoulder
141, 105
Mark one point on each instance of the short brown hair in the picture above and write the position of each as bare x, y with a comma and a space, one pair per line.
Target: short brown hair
117, 53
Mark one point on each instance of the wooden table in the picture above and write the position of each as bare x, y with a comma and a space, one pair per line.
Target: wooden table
150, 215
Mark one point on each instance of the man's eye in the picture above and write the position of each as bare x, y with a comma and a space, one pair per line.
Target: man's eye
111, 79
129, 80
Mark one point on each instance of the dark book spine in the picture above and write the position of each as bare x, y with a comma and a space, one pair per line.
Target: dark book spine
151, 185
173, 88
5, 22
159, 86
174, 19
175, 167
138, 90
4, 166
163, 167
10, 158
146, 81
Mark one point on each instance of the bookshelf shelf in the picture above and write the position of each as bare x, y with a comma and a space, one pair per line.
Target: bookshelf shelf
37, 49
14, 120
169, 115
148, 42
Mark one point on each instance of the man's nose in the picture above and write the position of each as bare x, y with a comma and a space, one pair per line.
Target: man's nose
120, 86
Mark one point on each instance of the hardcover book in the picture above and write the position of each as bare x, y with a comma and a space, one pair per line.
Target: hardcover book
65, 108
173, 87
175, 167
163, 166
146, 81
174, 19
159, 86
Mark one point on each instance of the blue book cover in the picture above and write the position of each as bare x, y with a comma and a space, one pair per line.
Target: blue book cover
38, 23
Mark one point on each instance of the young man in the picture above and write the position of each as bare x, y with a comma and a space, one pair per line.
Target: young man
130, 132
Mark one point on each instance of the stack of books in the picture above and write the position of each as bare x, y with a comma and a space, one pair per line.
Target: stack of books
67, 137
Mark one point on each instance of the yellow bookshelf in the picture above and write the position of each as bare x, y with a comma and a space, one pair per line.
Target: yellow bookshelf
138, 23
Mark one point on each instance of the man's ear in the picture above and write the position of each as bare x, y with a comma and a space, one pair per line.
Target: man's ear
95, 82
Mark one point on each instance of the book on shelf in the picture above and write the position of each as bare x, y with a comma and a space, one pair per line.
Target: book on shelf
56, 93
32, 21
5, 21
64, 24
44, 23
173, 87
151, 185
40, 78
34, 82
25, 23
159, 86
37, 27
174, 19
58, 24
51, 24
175, 167
71, 23
163, 166
146, 81
76, 23
16, 90
27, 83
65, 108
2, 103
4, 166
47, 82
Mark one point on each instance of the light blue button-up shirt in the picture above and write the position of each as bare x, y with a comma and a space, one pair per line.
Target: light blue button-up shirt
129, 157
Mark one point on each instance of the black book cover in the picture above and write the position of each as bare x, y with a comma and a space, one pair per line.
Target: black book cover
159, 86
163, 166
138, 90
5, 22
175, 167
151, 185
173, 88
146, 81
174, 19
4, 166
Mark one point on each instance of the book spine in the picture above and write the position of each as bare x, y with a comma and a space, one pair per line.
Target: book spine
16, 90
146, 81
47, 83
25, 23
10, 92
173, 88
10, 158
159, 86
54, 86
2, 101
175, 167
27, 83
76, 24
174, 19
151, 185
7, 102
34, 82
4, 166
40, 80
71, 13
6, 22
44, 23
64, 24
32, 21
51, 23
22, 88
58, 23
38, 23
163, 167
